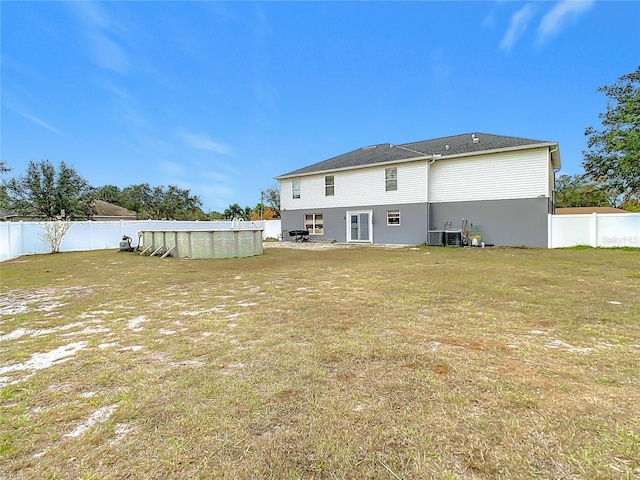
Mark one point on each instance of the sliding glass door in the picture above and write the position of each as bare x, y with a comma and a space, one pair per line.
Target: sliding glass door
360, 227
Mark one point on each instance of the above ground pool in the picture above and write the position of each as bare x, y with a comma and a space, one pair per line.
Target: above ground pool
219, 243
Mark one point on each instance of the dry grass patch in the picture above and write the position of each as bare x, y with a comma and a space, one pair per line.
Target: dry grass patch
340, 363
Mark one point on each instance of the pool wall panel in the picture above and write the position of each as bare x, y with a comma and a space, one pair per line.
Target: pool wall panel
205, 243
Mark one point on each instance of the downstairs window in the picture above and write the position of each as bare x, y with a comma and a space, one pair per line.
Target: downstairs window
314, 223
393, 217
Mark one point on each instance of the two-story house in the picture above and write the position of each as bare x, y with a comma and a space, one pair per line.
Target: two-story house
399, 193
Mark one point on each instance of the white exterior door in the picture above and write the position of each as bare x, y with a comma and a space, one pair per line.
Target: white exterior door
360, 226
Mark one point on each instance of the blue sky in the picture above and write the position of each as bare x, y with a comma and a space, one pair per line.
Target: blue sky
219, 98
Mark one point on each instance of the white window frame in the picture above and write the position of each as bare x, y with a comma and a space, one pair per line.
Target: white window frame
391, 179
369, 226
314, 230
295, 189
329, 187
393, 214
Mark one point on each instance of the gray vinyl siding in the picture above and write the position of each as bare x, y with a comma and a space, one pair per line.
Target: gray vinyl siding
516, 222
412, 229
513, 222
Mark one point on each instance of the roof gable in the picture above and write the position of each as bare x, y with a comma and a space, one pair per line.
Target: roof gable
440, 147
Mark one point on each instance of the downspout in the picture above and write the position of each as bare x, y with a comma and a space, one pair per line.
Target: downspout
433, 157
553, 193
553, 204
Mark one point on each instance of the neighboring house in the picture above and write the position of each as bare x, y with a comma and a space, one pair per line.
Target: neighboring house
398, 193
106, 211
5, 215
588, 210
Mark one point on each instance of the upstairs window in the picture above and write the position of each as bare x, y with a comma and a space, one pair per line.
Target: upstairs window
390, 179
295, 188
329, 186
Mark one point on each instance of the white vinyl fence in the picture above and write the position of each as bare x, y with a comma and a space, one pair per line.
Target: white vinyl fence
595, 230
24, 238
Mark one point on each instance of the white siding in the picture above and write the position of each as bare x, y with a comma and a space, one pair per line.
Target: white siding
359, 187
499, 176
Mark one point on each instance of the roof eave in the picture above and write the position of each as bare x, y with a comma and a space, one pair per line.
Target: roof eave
555, 153
355, 167
555, 159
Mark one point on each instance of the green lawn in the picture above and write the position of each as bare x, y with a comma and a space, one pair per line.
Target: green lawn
346, 363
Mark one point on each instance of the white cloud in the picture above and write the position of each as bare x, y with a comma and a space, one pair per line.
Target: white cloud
215, 176
108, 54
203, 142
217, 191
101, 33
440, 67
38, 121
171, 168
260, 26
92, 14
489, 21
132, 117
110, 87
556, 19
214, 196
517, 26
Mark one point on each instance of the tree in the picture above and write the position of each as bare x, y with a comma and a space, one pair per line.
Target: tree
4, 197
74, 194
273, 199
178, 204
109, 193
262, 212
52, 234
5, 201
158, 203
613, 155
43, 192
136, 198
236, 211
577, 191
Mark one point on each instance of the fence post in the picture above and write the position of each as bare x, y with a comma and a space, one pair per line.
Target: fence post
594, 230
9, 239
7, 242
22, 238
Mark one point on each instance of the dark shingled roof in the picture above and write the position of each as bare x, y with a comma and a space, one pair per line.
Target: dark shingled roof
445, 146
